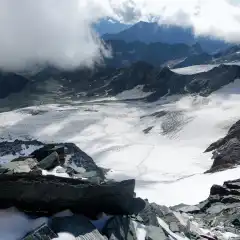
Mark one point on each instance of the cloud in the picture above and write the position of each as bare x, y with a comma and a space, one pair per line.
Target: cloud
49, 31
59, 31
216, 18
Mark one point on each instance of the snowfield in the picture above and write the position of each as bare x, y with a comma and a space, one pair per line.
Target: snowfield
168, 162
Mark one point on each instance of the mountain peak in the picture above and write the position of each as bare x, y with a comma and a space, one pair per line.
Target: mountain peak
149, 32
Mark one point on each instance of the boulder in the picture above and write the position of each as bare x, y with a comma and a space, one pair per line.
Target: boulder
50, 161
50, 194
19, 165
46, 151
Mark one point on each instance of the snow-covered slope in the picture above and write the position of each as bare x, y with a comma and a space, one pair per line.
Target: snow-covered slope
167, 160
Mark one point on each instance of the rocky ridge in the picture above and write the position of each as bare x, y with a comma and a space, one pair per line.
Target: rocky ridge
226, 151
51, 85
56, 177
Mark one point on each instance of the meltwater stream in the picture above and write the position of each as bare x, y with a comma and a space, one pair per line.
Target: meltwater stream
159, 144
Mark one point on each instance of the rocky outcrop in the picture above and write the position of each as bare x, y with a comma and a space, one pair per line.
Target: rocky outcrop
226, 151
162, 81
73, 161
50, 194
101, 208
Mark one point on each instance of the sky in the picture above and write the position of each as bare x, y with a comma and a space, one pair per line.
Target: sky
59, 31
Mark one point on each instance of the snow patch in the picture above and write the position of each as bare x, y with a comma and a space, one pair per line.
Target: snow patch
135, 93
57, 171
141, 231
194, 69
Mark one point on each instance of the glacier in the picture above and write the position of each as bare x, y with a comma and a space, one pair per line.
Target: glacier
168, 163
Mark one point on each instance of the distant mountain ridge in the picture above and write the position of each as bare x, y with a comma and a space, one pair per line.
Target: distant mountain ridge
157, 82
108, 26
150, 32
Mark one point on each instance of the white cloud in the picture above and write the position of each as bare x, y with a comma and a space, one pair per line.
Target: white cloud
58, 31
48, 31
217, 18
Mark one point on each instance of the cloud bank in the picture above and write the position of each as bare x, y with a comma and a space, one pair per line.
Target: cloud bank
48, 31
59, 32
216, 18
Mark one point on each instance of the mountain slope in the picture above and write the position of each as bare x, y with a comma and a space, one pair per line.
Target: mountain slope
153, 32
157, 54
11, 83
109, 81
231, 54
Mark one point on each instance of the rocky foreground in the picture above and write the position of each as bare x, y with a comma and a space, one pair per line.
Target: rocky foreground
44, 179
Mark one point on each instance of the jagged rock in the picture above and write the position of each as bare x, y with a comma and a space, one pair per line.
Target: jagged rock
219, 190
41, 233
156, 233
50, 161
80, 159
185, 208
157, 81
226, 150
71, 157
12, 148
48, 150
78, 226
51, 194
19, 165
120, 228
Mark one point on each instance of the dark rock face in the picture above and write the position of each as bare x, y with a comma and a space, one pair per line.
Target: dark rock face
226, 151
11, 83
51, 194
